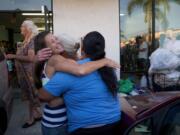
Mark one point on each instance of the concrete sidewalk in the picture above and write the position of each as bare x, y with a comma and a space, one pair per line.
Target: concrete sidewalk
19, 116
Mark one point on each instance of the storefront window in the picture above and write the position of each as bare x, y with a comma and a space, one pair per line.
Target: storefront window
14, 12
145, 26
24, 5
136, 17
167, 20
135, 28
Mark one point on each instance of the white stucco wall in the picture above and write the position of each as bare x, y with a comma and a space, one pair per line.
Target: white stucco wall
78, 17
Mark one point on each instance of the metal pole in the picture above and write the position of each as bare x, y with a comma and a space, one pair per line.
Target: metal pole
153, 22
46, 18
119, 37
52, 17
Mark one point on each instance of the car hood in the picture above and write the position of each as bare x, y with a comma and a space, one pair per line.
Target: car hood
141, 105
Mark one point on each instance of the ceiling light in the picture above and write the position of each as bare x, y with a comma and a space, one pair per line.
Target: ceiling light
33, 14
41, 28
122, 14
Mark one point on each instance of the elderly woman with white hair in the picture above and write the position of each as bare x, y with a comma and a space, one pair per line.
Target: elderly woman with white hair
24, 64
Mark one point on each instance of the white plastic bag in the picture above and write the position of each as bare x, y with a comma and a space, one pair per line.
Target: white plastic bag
163, 59
175, 75
143, 82
172, 45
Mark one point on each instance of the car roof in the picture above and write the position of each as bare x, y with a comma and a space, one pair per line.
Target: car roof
139, 106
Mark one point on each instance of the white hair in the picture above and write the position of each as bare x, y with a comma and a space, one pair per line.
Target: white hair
69, 43
31, 27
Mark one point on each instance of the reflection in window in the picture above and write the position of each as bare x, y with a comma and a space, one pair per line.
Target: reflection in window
167, 34
24, 5
143, 128
136, 21
168, 23
140, 38
135, 26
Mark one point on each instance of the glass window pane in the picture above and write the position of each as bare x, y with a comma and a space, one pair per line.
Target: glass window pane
171, 123
136, 29
24, 5
167, 37
167, 19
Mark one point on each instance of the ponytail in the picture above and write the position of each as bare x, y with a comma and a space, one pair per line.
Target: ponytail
94, 48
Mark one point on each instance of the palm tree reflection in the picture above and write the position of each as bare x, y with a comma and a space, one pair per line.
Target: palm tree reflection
161, 9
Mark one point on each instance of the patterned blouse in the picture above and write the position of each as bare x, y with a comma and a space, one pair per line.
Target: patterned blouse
23, 51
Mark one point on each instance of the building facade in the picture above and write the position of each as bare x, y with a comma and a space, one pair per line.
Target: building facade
78, 17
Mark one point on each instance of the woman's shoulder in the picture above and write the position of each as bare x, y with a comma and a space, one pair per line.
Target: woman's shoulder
55, 59
30, 44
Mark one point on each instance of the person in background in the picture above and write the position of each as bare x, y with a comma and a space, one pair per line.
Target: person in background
92, 103
25, 63
143, 53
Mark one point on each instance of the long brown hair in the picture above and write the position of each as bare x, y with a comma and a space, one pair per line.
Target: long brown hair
39, 43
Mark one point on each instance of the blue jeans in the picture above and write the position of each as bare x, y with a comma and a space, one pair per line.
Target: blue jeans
61, 130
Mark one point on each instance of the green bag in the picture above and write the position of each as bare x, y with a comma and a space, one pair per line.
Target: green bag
125, 86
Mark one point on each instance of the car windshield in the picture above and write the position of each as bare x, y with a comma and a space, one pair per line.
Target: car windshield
142, 128
171, 124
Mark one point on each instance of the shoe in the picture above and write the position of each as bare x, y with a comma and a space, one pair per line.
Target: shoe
38, 119
26, 125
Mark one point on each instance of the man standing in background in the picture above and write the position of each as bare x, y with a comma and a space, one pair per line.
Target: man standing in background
143, 53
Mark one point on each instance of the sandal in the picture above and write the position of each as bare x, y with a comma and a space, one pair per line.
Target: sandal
26, 125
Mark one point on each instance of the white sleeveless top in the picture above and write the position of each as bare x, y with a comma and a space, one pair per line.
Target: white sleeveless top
44, 77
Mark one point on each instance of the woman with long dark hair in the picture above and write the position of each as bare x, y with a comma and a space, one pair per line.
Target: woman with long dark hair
92, 103
94, 48
54, 116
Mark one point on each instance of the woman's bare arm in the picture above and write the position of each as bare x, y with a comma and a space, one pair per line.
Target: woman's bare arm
28, 58
44, 96
60, 63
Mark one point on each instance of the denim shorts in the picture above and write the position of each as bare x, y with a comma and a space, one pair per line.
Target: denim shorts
61, 130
